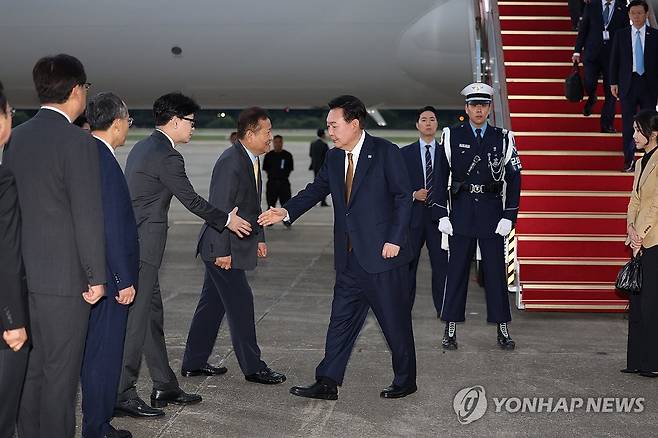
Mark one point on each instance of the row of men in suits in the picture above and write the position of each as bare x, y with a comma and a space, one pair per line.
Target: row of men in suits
625, 56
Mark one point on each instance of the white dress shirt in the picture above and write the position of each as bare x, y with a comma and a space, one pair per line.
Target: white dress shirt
173, 145
57, 110
643, 31
355, 154
107, 144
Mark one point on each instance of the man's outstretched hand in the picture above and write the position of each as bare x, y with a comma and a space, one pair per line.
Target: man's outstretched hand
238, 225
272, 216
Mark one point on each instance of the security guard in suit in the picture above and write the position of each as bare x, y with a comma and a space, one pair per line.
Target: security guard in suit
476, 201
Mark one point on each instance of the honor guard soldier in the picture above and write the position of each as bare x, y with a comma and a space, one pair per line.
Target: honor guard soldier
476, 200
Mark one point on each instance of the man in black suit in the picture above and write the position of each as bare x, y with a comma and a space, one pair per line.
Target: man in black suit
317, 152
155, 172
278, 164
371, 196
236, 181
13, 311
634, 72
101, 367
419, 159
601, 19
55, 164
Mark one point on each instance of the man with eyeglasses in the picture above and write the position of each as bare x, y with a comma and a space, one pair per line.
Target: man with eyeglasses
55, 164
101, 367
155, 172
475, 198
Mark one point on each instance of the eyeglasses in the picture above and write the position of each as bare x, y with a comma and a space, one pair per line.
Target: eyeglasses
86, 85
192, 121
12, 112
130, 121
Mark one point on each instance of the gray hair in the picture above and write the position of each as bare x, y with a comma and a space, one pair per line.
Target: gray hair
103, 109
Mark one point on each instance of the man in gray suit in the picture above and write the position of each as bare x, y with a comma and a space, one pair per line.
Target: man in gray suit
57, 177
236, 180
155, 172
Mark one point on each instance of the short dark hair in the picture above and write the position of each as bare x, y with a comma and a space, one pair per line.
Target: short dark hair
426, 108
249, 118
320, 132
80, 121
56, 76
103, 109
642, 3
352, 107
3, 100
277, 136
173, 105
647, 122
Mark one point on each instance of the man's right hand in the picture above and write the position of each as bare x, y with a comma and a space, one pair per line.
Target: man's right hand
238, 225
445, 226
94, 294
420, 195
575, 57
15, 338
223, 262
614, 89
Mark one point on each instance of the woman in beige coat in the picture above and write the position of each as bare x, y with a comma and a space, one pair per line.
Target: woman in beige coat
642, 220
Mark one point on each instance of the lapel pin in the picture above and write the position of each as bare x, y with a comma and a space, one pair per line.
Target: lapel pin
369, 156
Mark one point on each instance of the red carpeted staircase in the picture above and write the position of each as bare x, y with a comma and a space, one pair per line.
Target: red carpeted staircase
572, 223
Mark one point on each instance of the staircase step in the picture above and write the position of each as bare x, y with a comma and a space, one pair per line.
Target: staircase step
547, 23
558, 122
575, 297
536, 69
527, 53
553, 104
571, 223
542, 201
590, 141
570, 269
543, 86
535, 38
572, 160
534, 8
571, 246
577, 180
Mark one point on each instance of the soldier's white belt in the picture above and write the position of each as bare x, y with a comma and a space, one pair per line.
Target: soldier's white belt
485, 188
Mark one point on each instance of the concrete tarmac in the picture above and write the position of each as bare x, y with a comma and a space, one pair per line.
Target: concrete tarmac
570, 356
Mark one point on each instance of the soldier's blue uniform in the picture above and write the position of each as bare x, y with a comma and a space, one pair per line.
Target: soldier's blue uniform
488, 175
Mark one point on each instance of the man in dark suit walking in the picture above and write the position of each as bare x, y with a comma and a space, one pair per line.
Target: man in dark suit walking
419, 159
155, 172
13, 303
236, 181
55, 164
634, 72
601, 19
372, 209
317, 152
101, 367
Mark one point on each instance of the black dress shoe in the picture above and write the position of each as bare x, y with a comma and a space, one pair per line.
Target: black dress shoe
587, 110
322, 391
117, 433
136, 408
629, 371
206, 370
160, 399
266, 376
449, 341
504, 339
608, 130
652, 374
395, 391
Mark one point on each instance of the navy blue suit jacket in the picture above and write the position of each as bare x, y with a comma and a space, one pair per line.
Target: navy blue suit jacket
621, 60
590, 29
121, 241
379, 210
411, 155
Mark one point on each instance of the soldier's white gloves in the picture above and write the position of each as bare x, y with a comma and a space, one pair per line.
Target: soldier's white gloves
504, 227
445, 226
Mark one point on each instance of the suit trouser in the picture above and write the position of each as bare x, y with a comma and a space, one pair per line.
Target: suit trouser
101, 366
429, 235
145, 335
639, 95
593, 70
58, 326
224, 292
12, 373
277, 189
642, 353
355, 292
462, 250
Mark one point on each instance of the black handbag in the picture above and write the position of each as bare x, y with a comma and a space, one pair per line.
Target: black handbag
573, 85
629, 278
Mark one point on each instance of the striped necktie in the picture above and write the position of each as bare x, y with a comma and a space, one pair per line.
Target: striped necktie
428, 172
